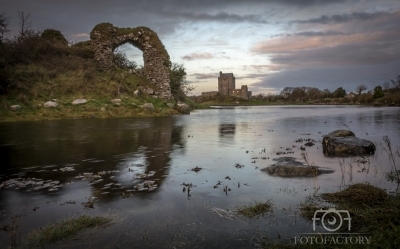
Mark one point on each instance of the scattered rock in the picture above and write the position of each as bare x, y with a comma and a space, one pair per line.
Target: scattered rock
345, 143
79, 101
116, 101
50, 104
149, 91
290, 167
171, 105
136, 93
148, 107
103, 109
15, 107
183, 108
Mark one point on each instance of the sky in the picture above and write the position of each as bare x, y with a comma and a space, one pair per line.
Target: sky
266, 44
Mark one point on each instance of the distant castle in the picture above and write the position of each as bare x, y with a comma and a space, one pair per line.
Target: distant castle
226, 86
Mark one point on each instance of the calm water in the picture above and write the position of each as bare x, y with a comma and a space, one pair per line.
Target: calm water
166, 149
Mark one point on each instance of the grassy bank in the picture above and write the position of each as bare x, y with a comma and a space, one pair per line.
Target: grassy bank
374, 213
35, 69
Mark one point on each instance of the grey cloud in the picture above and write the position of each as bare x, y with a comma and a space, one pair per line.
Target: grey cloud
202, 76
332, 78
318, 33
343, 18
222, 17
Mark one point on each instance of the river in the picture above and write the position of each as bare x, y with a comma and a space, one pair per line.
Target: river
67, 154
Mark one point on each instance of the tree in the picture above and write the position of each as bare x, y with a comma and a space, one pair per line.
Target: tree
386, 86
25, 24
327, 92
180, 87
4, 21
396, 82
378, 92
121, 60
339, 93
360, 88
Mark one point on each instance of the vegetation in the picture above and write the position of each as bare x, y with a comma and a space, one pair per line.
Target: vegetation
373, 213
36, 67
63, 229
254, 209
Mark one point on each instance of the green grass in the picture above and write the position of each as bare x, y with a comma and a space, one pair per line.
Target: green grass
373, 212
63, 229
254, 209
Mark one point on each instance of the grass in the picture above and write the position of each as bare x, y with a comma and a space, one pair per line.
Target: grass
372, 210
63, 229
254, 209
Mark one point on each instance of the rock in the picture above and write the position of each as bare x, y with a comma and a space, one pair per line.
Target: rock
345, 143
183, 108
136, 93
50, 104
149, 91
170, 105
103, 109
290, 167
79, 101
148, 106
15, 107
116, 101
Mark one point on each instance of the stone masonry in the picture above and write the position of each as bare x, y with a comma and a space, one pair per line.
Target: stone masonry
105, 38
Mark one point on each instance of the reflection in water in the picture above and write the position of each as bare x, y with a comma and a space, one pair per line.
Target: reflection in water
226, 133
164, 150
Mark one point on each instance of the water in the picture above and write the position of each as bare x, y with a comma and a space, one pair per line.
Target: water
167, 148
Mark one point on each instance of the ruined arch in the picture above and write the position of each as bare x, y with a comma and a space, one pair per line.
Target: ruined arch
105, 38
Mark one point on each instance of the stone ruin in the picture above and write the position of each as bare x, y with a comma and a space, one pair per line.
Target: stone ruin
105, 38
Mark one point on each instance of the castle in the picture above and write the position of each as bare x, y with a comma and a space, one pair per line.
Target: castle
226, 86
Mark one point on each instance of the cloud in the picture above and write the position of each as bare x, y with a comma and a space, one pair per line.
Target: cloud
343, 18
198, 56
331, 78
222, 17
333, 48
202, 76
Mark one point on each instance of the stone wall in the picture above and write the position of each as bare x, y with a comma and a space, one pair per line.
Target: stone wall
242, 92
209, 94
105, 38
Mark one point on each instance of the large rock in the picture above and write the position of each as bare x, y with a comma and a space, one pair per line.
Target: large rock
345, 143
79, 101
290, 167
52, 104
148, 107
15, 107
183, 108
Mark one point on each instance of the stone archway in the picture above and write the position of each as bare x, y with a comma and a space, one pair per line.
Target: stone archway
105, 38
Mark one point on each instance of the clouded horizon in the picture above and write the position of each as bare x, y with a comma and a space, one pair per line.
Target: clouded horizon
267, 45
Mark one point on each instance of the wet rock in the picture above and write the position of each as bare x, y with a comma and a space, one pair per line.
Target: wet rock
183, 108
290, 167
345, 143
79, 101
50, 104
148, 106
15, 107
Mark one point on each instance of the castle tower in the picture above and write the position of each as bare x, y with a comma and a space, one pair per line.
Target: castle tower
226, 83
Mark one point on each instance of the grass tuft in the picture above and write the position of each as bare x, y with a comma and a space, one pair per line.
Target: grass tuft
63, 229
255, 209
